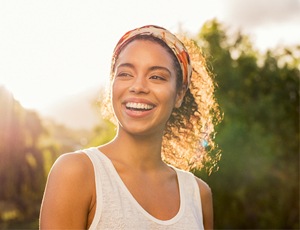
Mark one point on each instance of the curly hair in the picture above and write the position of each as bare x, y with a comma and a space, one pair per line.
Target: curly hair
189, 136
188, 141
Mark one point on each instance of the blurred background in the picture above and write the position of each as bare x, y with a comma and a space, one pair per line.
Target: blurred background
54, 66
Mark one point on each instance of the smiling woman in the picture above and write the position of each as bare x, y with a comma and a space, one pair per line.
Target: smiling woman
143, 68
163, 108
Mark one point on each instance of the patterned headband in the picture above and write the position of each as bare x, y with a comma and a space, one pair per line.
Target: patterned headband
167, 37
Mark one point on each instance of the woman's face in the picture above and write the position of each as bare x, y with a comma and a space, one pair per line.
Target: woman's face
144, 88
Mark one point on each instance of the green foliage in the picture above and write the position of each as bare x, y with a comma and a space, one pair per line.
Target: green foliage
257, 185
21, 162
28, 148
102, 133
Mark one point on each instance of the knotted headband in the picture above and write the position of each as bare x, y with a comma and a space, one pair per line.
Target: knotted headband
167, 37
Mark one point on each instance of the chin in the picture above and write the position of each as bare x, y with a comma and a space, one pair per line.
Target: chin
141, 131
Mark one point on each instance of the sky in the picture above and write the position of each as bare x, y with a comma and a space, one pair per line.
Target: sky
54, 49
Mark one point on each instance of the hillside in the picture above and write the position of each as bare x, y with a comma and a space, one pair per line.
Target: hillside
79, 111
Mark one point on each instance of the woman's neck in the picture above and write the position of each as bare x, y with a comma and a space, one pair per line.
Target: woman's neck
140, 152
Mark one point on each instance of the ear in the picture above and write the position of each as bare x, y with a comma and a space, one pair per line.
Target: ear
180, 96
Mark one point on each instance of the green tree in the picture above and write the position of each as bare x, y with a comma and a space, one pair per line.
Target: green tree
29, 145
257, 185
21, 162
102, 133
22, 165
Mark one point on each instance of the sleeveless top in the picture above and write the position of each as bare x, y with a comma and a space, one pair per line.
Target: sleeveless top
116, 208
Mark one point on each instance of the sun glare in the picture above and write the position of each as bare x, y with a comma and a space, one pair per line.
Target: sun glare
31, 96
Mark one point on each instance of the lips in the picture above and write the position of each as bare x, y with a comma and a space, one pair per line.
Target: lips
138, 106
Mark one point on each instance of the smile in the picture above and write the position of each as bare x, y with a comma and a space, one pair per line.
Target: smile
138, 106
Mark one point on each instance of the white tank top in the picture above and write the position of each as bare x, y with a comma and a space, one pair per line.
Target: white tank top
116, 208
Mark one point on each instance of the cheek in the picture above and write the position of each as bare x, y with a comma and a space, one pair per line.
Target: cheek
116, 89
115, 93
168, 97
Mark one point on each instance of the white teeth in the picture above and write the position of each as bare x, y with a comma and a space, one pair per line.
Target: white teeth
141, 106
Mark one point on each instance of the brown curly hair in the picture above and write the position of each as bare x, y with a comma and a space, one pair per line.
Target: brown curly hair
188, 141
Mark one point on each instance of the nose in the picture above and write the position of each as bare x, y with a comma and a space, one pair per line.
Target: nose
139, 85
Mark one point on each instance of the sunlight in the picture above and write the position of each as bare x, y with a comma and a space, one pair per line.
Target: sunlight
41, 93
31, 96
7, 126
43, 60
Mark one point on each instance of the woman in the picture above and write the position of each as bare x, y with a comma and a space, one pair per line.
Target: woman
129, 182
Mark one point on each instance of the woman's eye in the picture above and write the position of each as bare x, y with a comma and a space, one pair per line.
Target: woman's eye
123, 75
156, 77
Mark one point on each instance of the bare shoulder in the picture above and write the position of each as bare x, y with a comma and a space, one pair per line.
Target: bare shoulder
74, 163
72, 170
69, 193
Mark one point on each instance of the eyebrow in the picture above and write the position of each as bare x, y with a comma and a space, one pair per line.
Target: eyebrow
160, 68
152, 68
125, 65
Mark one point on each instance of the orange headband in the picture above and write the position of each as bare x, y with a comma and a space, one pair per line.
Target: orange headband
170, 39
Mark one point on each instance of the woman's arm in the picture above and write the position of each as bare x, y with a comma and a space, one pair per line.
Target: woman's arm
68, 193
207, 204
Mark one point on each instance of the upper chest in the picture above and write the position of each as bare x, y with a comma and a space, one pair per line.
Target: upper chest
160, 196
